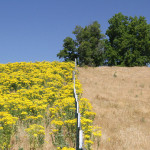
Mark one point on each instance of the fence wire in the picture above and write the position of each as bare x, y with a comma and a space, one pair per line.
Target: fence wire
79, 133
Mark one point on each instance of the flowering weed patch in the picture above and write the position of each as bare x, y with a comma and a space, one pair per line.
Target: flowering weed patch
40, 96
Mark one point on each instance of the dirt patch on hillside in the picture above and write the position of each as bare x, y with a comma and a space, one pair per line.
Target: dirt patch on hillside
120, 96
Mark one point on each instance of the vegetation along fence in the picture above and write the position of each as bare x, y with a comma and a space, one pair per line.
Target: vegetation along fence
79, 133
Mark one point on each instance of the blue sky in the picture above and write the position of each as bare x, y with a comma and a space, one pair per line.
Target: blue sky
34, 30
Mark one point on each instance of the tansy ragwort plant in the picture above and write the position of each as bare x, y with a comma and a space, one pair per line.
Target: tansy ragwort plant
39, 96
36, 135
7, 122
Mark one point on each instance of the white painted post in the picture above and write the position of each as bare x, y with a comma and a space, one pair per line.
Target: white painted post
80, 139
79, 124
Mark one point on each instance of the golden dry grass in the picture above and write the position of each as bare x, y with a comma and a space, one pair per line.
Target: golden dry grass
120, 96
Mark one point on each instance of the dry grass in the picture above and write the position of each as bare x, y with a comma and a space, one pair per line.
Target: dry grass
120, 96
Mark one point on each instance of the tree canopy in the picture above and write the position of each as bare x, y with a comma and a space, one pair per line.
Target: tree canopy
127, 43
88, 47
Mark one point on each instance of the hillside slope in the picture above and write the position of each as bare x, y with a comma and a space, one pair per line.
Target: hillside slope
120, 96
37, 107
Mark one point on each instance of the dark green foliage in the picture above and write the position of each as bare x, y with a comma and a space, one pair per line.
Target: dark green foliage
88, 47
129, 41
69, 51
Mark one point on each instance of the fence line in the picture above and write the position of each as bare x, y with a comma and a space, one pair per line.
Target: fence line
79, 133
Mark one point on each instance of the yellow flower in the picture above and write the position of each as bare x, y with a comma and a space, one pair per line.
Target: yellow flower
71, 121
88, 141
98, 133
55, 130
24, 113
55, 122
35, 135
86, 136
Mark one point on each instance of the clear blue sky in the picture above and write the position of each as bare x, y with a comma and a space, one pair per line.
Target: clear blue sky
34, 30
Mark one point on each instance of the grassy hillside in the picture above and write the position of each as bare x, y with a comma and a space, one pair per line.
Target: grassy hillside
37, 107
120, 96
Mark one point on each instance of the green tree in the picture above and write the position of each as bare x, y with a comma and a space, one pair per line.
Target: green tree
69, 51
88, 47
129, 41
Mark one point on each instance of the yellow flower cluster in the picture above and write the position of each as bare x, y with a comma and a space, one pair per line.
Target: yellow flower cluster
57, 123
6, 127
29, 90
71, 121
91, 133
36, 134
7, 119
35, 129
40, 95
